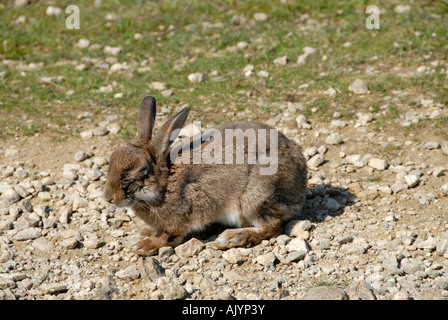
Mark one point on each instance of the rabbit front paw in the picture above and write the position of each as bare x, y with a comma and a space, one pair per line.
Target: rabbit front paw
146, 247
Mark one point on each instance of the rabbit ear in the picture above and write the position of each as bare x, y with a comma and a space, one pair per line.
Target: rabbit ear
168, 132
146, 118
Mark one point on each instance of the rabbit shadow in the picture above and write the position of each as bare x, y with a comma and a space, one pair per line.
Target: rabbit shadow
324, 201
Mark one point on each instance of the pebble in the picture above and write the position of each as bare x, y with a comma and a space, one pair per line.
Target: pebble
260, 17
114, 51
53, 11
378, 164
307, 52
326, 293
197, 77
402, 8
158, 85
28, 234
266, 259
282, 61
83, 43
129, 273
315, 161
80, 156
333, 139
358, 87
87, 134
189, 248
332, 205
411, 180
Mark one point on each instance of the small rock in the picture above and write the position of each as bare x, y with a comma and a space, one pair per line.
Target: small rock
99, 131
197, 77
326, 293
53, 288
93, 174
295, 228
190, 248
378, 164
43, 245
53, 11
28, 234
411, 180
402, 8
118, 67
333, 139
150, 268
302, 122
113, 128
158, 85
358, 87
266, 259
307, 52
398, 187
438, 171
260, 17
114, 51
79, 202
442, 283
263, 74
233, 256
298, 245
130, 273
432, 145
282, 61
91, 242
69, 243
87, 134
315, 161
332, 205
11, 152
83, 43
11, 195
80, 156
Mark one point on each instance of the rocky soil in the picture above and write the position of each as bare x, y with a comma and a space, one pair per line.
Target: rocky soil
374, 225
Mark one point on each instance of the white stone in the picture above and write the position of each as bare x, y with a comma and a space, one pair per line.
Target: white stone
333, 138
263, 74
411, 180
281, 60
83, 43
299, 245
158, 85
315, 161
260, 17
307, 52
402, 8
53, 11
197, 77
358, 87
378, 164
114, 51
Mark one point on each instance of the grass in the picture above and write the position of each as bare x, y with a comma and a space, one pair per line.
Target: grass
202, 35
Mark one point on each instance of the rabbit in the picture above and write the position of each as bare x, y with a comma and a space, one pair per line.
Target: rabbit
175, 198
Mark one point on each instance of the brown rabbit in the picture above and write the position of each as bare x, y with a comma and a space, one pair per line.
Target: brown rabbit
174, 194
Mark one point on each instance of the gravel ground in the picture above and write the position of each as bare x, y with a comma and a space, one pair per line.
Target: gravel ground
374, 227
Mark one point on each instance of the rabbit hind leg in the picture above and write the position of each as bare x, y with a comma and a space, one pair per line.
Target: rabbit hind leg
266, 224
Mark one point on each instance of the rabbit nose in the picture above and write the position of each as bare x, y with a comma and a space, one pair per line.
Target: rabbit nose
108, 195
